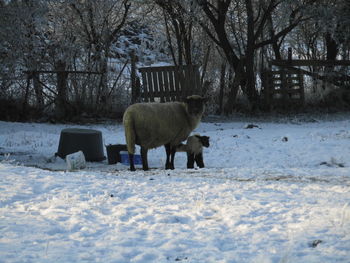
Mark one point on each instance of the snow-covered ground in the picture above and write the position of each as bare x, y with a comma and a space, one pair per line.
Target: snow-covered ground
279, 192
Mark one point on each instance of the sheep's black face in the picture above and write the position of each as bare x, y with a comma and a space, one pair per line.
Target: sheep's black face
195, 104
205, 141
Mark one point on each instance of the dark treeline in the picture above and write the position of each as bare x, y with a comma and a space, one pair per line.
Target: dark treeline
64, 60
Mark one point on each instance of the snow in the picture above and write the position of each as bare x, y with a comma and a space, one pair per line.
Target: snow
278, 192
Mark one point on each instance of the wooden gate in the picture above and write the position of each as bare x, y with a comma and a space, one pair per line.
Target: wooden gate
283, 87
169, 83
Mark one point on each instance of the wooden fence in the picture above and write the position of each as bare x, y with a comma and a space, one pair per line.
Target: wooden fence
169, 83
285, 86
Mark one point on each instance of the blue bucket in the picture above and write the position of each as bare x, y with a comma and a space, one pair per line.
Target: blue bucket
124, 157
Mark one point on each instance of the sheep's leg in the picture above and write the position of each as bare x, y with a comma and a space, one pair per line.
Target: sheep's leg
168, 153
172, 154
190, 160
199, 160
131, 161
144, 158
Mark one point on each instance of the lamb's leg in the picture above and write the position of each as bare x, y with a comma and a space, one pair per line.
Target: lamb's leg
144, 158
131, 161
190, 160
199, 160
168, 152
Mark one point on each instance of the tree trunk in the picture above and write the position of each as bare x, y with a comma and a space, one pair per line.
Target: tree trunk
249, 59
234, 83
332, 47
274, 40
222, 87
332, 52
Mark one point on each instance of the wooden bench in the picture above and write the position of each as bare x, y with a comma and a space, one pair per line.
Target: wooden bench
169, 83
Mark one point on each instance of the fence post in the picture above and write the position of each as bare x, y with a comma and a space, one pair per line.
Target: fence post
26, 95
222, 86
290, 54
134, 82
38, 90
62, 92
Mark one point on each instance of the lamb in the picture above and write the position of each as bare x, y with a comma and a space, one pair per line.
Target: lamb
151, 125
194, 149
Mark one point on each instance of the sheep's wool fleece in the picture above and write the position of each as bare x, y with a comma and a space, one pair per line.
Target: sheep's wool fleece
156, 124
193, 145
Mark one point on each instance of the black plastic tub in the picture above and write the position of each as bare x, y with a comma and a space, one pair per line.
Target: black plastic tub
113, 152
86, 140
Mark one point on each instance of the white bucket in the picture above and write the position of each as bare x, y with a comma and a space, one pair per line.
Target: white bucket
75, 161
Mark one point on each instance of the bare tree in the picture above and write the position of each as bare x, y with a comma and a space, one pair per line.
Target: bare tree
23, 45
180, 25
100, 23
237, 27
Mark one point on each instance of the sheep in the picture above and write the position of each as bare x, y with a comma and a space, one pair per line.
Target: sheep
151, 125
194, 149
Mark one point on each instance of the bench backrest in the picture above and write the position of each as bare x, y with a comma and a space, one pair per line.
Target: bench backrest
169, 83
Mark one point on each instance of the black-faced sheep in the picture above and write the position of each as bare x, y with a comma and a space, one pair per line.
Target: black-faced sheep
151, 125
194, 149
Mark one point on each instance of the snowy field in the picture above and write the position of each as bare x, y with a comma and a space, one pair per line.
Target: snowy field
279, 192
